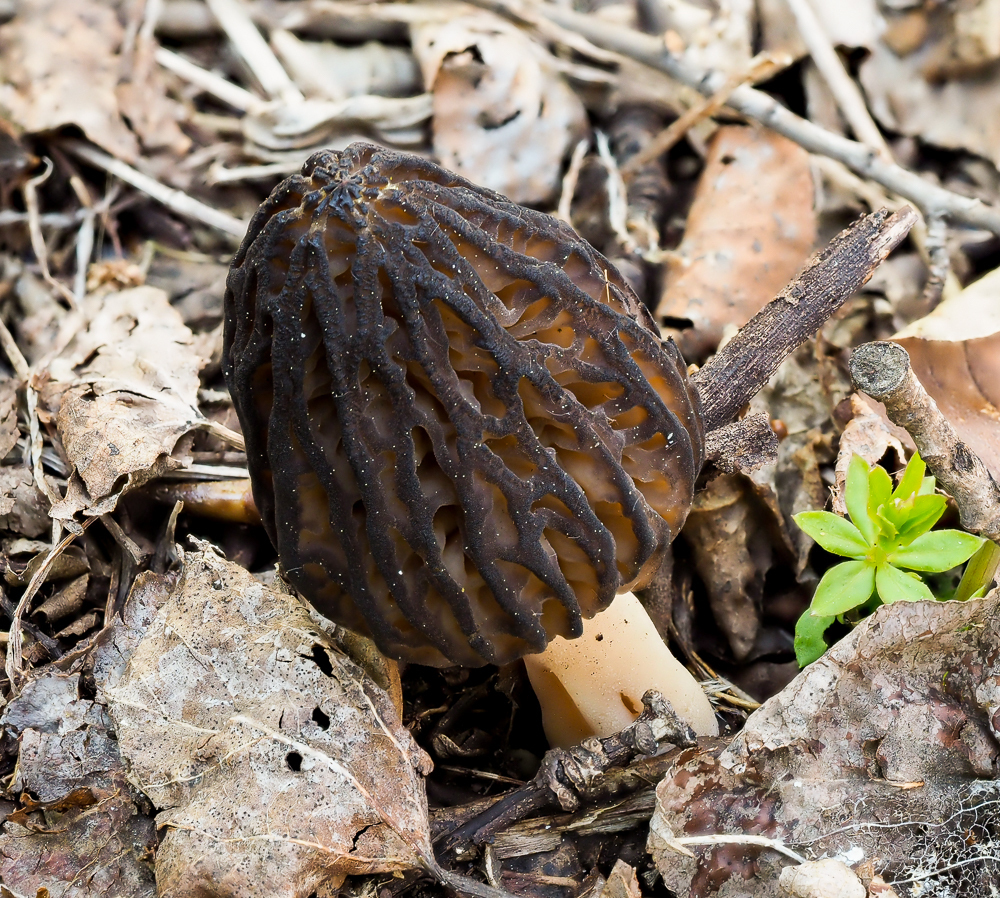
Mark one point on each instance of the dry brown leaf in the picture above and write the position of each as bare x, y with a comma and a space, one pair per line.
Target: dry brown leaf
126, 389
277, 766
503, 115
81, 830
60, 67
869, 435
750, 229
883, 751
732, 553
955, 353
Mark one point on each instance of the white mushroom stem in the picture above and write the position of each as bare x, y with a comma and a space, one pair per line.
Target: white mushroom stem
593, 686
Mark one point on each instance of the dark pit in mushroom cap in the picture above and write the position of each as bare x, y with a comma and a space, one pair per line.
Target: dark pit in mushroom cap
463, 430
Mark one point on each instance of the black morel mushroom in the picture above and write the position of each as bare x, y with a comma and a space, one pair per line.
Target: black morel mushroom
464, 433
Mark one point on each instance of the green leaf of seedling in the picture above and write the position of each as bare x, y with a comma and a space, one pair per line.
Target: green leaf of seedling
927, 487
912, 479
856, 498
833, 533
879, 489
924, 513
809, 641
894, 585
843, 587
938, 551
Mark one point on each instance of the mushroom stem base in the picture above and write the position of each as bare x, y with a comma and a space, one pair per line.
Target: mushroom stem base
593, 686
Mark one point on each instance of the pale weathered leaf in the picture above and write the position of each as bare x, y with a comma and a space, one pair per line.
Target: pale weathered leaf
276, 764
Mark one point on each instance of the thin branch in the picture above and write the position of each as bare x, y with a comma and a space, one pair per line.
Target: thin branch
882, 370
761, 67
760, 107
738, 371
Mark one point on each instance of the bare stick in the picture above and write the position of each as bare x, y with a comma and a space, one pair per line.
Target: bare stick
735, 375
882, 370
760, 107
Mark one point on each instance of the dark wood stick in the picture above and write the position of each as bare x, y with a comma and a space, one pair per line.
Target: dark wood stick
739, 370
566, 775
882, 370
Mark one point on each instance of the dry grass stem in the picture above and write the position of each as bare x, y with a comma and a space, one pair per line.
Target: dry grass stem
256, 53
175, 200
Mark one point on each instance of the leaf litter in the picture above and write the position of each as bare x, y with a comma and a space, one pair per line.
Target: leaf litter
161, 730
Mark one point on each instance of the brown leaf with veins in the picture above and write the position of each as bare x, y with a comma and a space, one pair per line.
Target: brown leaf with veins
750, 229
955, 354
126, 389
278, 767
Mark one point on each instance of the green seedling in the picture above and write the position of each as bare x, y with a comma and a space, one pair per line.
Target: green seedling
888, 539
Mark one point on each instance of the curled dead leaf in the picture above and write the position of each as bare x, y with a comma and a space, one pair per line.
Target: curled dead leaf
504, 117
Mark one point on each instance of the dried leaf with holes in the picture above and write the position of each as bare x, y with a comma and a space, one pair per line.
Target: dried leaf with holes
276, 764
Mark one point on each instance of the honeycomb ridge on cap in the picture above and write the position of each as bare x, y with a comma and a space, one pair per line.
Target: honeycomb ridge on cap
463, 430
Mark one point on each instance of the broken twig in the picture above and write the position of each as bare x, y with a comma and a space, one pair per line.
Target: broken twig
739, 370
882, 370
